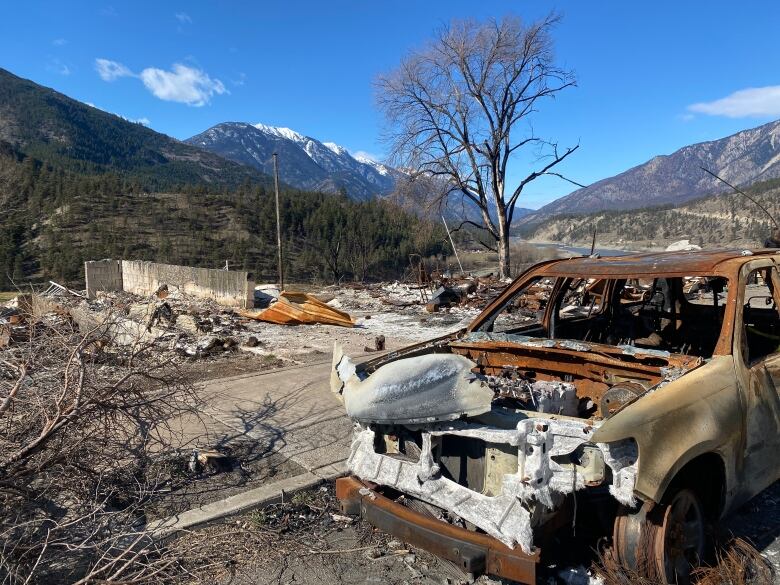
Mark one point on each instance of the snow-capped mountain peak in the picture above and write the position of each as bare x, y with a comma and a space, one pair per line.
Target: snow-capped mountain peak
304, 162
340, 150
285, 133
380, 168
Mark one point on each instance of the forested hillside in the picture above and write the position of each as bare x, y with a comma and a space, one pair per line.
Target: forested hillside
71, 135
721, 220
77, 183
51, 220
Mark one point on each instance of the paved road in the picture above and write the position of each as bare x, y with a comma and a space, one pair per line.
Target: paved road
291, 411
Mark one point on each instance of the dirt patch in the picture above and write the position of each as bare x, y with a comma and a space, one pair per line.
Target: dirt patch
233, 364
306, 541
758, 522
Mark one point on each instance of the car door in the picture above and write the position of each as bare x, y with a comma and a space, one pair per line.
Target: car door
757, 357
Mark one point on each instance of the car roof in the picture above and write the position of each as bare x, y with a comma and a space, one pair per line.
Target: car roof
697, 262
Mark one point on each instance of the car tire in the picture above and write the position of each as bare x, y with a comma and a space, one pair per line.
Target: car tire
663, 542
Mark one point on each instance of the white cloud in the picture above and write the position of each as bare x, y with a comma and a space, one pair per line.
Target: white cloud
750, 102
240, 81
184, 84
59, 42
183, 17
111, 70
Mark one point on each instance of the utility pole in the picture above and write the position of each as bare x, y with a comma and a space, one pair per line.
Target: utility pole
453, 245
278, 225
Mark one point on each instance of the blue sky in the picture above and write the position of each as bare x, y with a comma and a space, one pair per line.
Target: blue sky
652, 76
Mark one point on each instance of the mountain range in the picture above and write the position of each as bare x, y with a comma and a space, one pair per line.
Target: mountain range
724, 220
304, 162
47, 125
741, 159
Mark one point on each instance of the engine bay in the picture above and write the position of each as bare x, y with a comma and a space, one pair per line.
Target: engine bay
495, 431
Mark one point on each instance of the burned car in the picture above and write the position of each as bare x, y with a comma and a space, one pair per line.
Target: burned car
642, 387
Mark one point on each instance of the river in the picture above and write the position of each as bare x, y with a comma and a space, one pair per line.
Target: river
568, 251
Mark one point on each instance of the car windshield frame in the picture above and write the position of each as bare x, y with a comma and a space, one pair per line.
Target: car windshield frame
723, 345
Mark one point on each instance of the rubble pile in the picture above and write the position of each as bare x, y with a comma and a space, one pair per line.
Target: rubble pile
16, 326
437, 295
12, 325
167, 320
375, 317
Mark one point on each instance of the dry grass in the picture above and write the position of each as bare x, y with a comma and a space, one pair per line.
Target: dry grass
738, 563
6, 296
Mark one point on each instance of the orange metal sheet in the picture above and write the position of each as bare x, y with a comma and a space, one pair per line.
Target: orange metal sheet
294, 308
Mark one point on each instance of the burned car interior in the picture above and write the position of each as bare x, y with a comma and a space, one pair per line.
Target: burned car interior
678, 314
761, 316
494, 429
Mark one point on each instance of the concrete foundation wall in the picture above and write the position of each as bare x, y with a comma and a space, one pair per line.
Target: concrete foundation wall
232, 288
227, 287
103, 275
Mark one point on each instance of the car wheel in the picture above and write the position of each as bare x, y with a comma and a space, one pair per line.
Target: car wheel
664, 542
679, 540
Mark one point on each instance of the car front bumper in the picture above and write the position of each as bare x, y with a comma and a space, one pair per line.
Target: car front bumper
473, 552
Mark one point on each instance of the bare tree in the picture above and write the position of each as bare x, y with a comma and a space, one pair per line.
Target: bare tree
457, 111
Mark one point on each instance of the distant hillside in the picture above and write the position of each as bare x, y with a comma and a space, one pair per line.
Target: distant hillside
304, 162
721, 220
742, 159
51, 220
49, 126
521, 212
77, 183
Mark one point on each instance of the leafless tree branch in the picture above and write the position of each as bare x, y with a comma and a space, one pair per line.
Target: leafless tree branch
454, 111
83, 421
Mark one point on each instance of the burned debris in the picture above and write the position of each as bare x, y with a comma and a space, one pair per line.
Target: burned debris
605, 377
191, 321
291, 308
83, 418
567, 405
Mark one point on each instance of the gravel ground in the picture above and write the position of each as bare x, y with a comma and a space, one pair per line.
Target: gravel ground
306, 541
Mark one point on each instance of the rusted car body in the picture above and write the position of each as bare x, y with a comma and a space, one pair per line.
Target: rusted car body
648, 385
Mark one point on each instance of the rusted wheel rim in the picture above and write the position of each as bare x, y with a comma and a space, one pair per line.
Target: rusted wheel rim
633, 541
679, 541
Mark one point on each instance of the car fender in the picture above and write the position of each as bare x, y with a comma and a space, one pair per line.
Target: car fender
700, 412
